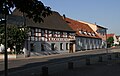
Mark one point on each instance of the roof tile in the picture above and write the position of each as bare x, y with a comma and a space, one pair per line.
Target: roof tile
81, 27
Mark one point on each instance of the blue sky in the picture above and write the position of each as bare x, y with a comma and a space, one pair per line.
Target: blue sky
104, 12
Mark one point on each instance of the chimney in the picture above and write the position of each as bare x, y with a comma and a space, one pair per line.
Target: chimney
95, 23
64, 17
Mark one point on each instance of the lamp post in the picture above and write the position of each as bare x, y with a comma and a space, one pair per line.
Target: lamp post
106, 42
5, 54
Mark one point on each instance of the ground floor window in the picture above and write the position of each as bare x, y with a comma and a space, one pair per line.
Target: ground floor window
31, 47
42, 47
71, 48
67, 46
61, 46
53, 46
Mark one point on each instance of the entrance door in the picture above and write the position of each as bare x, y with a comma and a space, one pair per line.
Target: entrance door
71, 48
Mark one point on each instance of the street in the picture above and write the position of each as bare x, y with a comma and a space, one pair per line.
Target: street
33, 65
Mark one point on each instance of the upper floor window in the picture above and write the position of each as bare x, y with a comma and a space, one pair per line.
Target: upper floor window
49, 32
61, 46
93, 34
58, 34
64, 34
61, 34
36, 30
46, 31
85, 32
32, 32
42, 32
80, 32
89, 33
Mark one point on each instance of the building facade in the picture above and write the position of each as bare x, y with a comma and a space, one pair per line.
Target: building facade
53, 36
115, 42
86, 38
100, 31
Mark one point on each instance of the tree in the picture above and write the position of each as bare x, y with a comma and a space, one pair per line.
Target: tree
110, 41
15, 36
33, 8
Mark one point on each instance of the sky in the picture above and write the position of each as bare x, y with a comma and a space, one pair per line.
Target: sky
104, 12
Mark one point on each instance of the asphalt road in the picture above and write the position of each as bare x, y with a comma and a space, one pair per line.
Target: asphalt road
30, 66
111, 68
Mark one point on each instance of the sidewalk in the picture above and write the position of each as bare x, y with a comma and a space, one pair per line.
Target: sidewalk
78, 53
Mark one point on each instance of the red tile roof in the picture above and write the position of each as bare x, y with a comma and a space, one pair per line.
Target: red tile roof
78, 26
110, 35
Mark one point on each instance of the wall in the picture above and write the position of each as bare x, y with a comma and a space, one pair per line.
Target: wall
47, 46
83, 43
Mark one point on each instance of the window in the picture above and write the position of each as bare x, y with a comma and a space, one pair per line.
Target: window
80, 32
32, 32
93, 34
64, 34
61, 34
31, 47
89, 33
55, 34
36, 30
39, 30
85, 32
61, 46
46, 31
42, 47
67, 47
32, 38
53, 46
58, 34
42, 32
49, 32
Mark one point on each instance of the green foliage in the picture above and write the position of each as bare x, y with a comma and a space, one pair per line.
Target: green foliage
110, 41
2, 34
15, 36
33, 8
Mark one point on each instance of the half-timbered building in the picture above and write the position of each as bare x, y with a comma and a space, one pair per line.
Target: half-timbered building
51, 36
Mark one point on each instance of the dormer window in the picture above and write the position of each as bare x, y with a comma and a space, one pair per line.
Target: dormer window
80, 32
85, 32
93, 34
89, 33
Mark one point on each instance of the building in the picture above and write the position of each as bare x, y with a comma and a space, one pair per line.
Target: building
115, 42
100, 31
50, 37
118, 38
86, 38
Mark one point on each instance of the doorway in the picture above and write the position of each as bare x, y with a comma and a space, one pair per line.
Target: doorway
71, 48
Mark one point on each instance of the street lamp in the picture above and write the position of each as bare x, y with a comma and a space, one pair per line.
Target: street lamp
106, 41
5, 54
